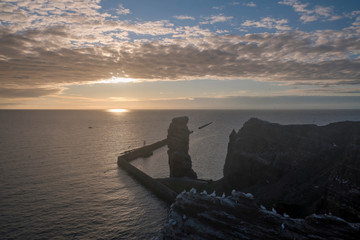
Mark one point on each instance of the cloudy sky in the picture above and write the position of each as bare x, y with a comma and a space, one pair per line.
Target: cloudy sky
150, 54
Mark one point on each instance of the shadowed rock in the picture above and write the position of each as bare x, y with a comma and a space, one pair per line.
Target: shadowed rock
178, 142
310, 174
237, 216
298, 169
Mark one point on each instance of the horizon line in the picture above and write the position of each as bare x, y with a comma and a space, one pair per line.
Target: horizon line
176, 109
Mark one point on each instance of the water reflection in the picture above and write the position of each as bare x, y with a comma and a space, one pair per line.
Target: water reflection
117, 110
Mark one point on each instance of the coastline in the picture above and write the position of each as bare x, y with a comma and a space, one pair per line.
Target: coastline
165, 188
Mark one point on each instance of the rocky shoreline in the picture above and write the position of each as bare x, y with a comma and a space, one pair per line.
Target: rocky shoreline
302, 182
204, 216
280, 182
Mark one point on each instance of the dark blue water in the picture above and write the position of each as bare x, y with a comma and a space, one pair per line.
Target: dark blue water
59, 178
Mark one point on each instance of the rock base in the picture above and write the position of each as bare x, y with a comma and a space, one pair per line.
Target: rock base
237, 216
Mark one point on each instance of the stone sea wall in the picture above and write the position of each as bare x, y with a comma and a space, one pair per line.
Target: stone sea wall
155, 186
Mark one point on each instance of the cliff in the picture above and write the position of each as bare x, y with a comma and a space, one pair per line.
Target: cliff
298, 169
302, 182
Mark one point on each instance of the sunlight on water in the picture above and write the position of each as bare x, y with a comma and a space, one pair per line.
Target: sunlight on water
120, 110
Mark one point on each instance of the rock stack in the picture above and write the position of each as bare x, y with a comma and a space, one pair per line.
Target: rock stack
178, 143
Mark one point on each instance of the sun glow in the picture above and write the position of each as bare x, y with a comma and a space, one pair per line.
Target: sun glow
117, 80
119, 110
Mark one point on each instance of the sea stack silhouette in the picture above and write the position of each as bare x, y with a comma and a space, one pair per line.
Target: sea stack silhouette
178, 143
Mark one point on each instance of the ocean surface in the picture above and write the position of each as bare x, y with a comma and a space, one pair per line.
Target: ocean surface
59, 177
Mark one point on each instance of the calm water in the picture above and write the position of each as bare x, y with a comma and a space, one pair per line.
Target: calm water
59, 178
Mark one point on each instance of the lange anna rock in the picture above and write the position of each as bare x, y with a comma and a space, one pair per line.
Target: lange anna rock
178, 142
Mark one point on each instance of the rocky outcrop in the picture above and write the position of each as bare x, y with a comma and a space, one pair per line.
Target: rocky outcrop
298, 169
310, 174
178, 142
238, 216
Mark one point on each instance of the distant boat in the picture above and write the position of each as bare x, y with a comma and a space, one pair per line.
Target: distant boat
205, 125
90, 127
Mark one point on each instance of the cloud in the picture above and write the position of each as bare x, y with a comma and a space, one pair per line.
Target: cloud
188, 32
227, 102
267, 102
23, 15
85, 25
153, 28
354, 14
268, 23
26, 92
294, 57
219, 7
310, 15
46, 47
250, 4
356, 23
216, 19
184, 17
335, 17
122, 11
326, 91
8, 104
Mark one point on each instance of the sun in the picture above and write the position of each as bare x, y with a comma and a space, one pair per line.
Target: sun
118, 110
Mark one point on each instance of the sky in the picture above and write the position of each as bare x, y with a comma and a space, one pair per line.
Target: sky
179, 54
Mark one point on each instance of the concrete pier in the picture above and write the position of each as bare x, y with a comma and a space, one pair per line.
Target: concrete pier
154, 185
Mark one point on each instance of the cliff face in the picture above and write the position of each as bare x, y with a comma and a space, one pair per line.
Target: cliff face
298, 169
178, 142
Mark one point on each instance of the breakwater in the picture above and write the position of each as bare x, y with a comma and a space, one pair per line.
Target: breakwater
154, 185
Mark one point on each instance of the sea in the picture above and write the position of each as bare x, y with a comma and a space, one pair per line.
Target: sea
59, 177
